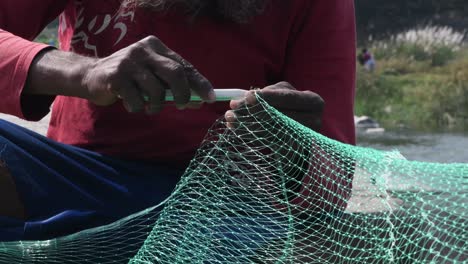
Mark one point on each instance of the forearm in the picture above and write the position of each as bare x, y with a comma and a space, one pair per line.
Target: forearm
55, 72
145, 68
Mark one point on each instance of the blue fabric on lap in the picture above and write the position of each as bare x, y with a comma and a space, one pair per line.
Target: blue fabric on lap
66, 189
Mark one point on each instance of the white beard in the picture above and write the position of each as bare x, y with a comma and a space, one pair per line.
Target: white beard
239, 11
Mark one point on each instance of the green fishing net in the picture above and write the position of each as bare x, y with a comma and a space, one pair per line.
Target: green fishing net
269, 190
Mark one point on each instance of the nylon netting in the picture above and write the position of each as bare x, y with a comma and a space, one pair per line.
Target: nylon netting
270, 190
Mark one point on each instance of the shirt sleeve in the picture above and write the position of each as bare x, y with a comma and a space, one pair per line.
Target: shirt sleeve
321, 57
20, 22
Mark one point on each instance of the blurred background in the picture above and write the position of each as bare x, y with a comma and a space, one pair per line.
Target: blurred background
412, 85
414, 97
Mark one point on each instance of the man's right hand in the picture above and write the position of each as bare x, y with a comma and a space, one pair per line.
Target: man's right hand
142, 70
145, 69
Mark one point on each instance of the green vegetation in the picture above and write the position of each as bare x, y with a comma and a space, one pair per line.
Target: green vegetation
421, 81
49, 34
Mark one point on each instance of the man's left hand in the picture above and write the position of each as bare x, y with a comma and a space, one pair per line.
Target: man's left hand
305, 107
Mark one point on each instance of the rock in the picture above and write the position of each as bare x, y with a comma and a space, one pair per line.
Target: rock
38, 127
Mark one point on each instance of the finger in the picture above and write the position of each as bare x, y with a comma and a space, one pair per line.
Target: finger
242, 107
132, 98
231, 119
196, 82
310, 120
173, 75
235, 104
152, 89
247, 128
235, 118
248, 116
157, 102
286, 99
281, 85
245, 113
251, 96
250, 99
199, 84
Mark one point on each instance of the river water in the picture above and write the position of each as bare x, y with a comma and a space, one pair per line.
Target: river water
442, 147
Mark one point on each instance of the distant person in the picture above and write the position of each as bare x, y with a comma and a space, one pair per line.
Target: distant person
52, 43
366, 59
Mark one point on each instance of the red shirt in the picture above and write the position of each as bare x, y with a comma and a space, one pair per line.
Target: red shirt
309, 43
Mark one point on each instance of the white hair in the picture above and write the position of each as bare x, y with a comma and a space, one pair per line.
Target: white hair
239, 11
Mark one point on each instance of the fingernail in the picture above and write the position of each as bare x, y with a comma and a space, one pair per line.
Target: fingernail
126, 106
230, 116
234, 104
129, 108
251, 98
211, 96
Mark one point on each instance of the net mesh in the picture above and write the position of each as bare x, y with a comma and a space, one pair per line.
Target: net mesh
269, 190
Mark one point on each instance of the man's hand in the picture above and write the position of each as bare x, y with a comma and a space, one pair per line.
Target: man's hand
305, 107
142, 70
145, 69
272, 140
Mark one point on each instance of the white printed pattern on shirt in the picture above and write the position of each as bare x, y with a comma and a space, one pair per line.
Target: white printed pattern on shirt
97, 25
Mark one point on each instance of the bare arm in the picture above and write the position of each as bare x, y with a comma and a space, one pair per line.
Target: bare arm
17, 52
144, 69
55, 72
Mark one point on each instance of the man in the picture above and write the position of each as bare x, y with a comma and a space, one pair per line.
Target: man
109, 151
366, 59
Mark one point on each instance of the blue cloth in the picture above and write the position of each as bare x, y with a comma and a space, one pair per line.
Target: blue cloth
66, 189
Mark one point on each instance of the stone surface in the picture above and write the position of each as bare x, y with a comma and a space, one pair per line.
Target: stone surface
39, 127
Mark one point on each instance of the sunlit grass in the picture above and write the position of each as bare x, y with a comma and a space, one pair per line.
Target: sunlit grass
421, 81
438, 45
